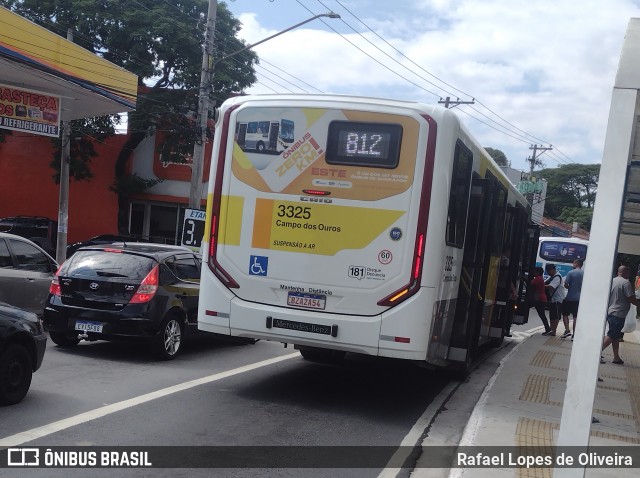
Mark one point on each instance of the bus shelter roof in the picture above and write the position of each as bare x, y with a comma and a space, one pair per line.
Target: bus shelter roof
33, 58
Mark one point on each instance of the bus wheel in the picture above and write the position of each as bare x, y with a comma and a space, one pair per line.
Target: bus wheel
260, 147
313, 354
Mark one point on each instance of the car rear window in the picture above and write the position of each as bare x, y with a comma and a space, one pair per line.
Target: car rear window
103, 264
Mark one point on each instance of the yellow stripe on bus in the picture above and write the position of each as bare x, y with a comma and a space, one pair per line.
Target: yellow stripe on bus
230, 220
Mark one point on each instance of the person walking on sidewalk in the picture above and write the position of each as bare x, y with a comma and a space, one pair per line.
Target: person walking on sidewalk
573, 284
620, 299
538, 297
556, 294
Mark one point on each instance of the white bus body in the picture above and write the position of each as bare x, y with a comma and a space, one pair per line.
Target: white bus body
561, 251
379, 231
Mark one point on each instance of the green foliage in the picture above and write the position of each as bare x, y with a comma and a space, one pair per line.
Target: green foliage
161, 42
498, 156
571, 187
581, 215
133, 184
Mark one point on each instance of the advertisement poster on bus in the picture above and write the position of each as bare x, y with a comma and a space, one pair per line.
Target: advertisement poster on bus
29, 111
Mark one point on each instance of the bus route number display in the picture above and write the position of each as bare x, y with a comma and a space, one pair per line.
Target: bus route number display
354, 143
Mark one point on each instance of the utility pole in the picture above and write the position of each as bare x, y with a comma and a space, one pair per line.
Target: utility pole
534, 157
197, 166
63, 199
448, 101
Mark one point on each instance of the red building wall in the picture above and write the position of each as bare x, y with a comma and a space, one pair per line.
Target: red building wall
27, 187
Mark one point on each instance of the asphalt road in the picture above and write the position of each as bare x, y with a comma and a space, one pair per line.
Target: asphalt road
216, 394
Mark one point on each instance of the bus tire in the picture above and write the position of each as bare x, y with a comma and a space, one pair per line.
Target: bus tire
260, 147
313, 354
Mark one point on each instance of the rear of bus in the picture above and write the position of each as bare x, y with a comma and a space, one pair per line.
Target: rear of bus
561, 252
322, 244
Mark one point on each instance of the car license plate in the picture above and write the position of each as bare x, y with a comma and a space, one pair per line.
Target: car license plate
308, 301
88, 326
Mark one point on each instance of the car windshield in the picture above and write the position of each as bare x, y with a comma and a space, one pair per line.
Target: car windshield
103, 264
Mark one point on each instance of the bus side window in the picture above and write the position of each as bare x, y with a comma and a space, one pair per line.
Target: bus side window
459, 196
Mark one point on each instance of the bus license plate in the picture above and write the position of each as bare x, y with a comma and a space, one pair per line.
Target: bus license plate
308, 301
87, 326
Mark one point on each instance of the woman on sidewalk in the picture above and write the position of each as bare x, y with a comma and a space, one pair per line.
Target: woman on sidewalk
538, 297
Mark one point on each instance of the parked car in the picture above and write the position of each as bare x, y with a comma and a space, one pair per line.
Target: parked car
41, 230
26, 271
125, 291
100, 240
22, 345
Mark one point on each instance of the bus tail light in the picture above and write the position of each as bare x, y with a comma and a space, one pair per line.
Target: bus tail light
220, 273
416, 276
423, 220
216, 200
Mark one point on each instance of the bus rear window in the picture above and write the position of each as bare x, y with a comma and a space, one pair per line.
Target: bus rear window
354, 143
555, 251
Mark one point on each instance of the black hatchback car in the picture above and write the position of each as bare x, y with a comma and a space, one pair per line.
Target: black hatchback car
22, 345
125, 291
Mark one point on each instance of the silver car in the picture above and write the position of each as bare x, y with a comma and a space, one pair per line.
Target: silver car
26, 271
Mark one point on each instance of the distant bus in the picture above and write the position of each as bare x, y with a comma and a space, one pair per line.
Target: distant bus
265, 136
561, 251
384, 229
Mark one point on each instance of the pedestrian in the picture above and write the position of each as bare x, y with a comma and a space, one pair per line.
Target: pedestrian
620, 299
538, 298
556, 294
573, 284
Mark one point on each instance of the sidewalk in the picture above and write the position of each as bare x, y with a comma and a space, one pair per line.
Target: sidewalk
522, 404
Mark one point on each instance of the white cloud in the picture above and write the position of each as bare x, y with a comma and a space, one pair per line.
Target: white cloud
547, 67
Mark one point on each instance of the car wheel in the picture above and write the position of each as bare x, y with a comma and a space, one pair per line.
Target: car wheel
64, 339
15, 374
170, 338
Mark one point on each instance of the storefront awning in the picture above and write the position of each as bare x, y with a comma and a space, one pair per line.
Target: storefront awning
33, 58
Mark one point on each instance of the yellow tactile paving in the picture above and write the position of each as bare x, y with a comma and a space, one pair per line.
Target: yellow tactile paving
534, 433
536, 389
544, 359
531, 432
630, 351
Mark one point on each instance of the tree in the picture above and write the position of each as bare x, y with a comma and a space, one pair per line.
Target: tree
161, 42
571, 192
498, 156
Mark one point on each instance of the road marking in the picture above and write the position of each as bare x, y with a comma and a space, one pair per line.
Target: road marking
39, 432
418, 429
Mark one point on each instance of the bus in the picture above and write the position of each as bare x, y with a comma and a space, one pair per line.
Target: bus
265, 135
561, 251
384, 229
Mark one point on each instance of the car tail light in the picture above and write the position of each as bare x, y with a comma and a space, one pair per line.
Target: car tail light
54, 288
147, 288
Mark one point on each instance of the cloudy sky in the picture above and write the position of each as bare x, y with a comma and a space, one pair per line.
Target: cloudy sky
540, 71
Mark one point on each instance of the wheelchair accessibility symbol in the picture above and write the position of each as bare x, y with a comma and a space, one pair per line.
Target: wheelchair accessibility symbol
258, 265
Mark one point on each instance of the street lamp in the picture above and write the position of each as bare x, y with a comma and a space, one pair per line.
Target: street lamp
195, 192
249, 47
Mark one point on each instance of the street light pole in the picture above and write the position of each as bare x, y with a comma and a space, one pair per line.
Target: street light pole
197, 167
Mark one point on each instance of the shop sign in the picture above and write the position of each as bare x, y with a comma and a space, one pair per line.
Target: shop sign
29, 111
